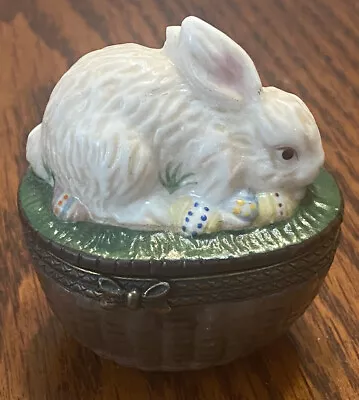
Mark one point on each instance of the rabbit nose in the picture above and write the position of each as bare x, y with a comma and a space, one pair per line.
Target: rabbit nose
308, 176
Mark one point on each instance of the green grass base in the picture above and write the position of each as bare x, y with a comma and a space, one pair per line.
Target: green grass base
321, 205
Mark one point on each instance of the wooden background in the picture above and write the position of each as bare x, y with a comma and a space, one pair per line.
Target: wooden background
310, 47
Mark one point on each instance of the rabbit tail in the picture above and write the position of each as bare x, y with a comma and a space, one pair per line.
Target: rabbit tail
34, 155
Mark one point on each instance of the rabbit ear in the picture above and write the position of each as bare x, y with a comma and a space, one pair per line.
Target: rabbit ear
172, 38
214, 63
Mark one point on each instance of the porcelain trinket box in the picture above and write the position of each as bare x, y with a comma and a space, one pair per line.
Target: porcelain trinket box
177, 211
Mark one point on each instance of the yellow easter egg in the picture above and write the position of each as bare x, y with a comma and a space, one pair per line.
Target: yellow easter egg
275, 207
178, 210
267, 210
214, 223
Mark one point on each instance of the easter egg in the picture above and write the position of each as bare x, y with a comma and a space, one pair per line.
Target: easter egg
195, 217
246, 206
276, 206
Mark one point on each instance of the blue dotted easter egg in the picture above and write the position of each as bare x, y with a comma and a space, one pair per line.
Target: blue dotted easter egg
196, 219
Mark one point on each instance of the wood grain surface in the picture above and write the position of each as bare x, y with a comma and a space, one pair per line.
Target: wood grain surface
309, 47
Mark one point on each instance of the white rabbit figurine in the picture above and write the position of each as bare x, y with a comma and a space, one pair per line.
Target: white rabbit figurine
132, 134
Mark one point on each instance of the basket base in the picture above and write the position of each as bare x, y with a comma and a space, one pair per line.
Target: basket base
188, 338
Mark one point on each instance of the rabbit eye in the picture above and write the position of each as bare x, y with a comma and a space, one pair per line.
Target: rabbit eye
288, 153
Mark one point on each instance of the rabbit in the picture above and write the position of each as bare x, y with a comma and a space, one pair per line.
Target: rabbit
130, 130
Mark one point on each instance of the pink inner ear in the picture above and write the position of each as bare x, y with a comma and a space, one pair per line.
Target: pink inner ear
227, 70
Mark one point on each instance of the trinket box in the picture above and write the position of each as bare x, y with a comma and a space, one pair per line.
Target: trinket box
177, 211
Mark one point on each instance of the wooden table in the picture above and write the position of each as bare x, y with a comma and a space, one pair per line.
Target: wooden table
308, 47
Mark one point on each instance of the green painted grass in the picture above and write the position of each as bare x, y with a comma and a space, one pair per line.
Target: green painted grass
320, 206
